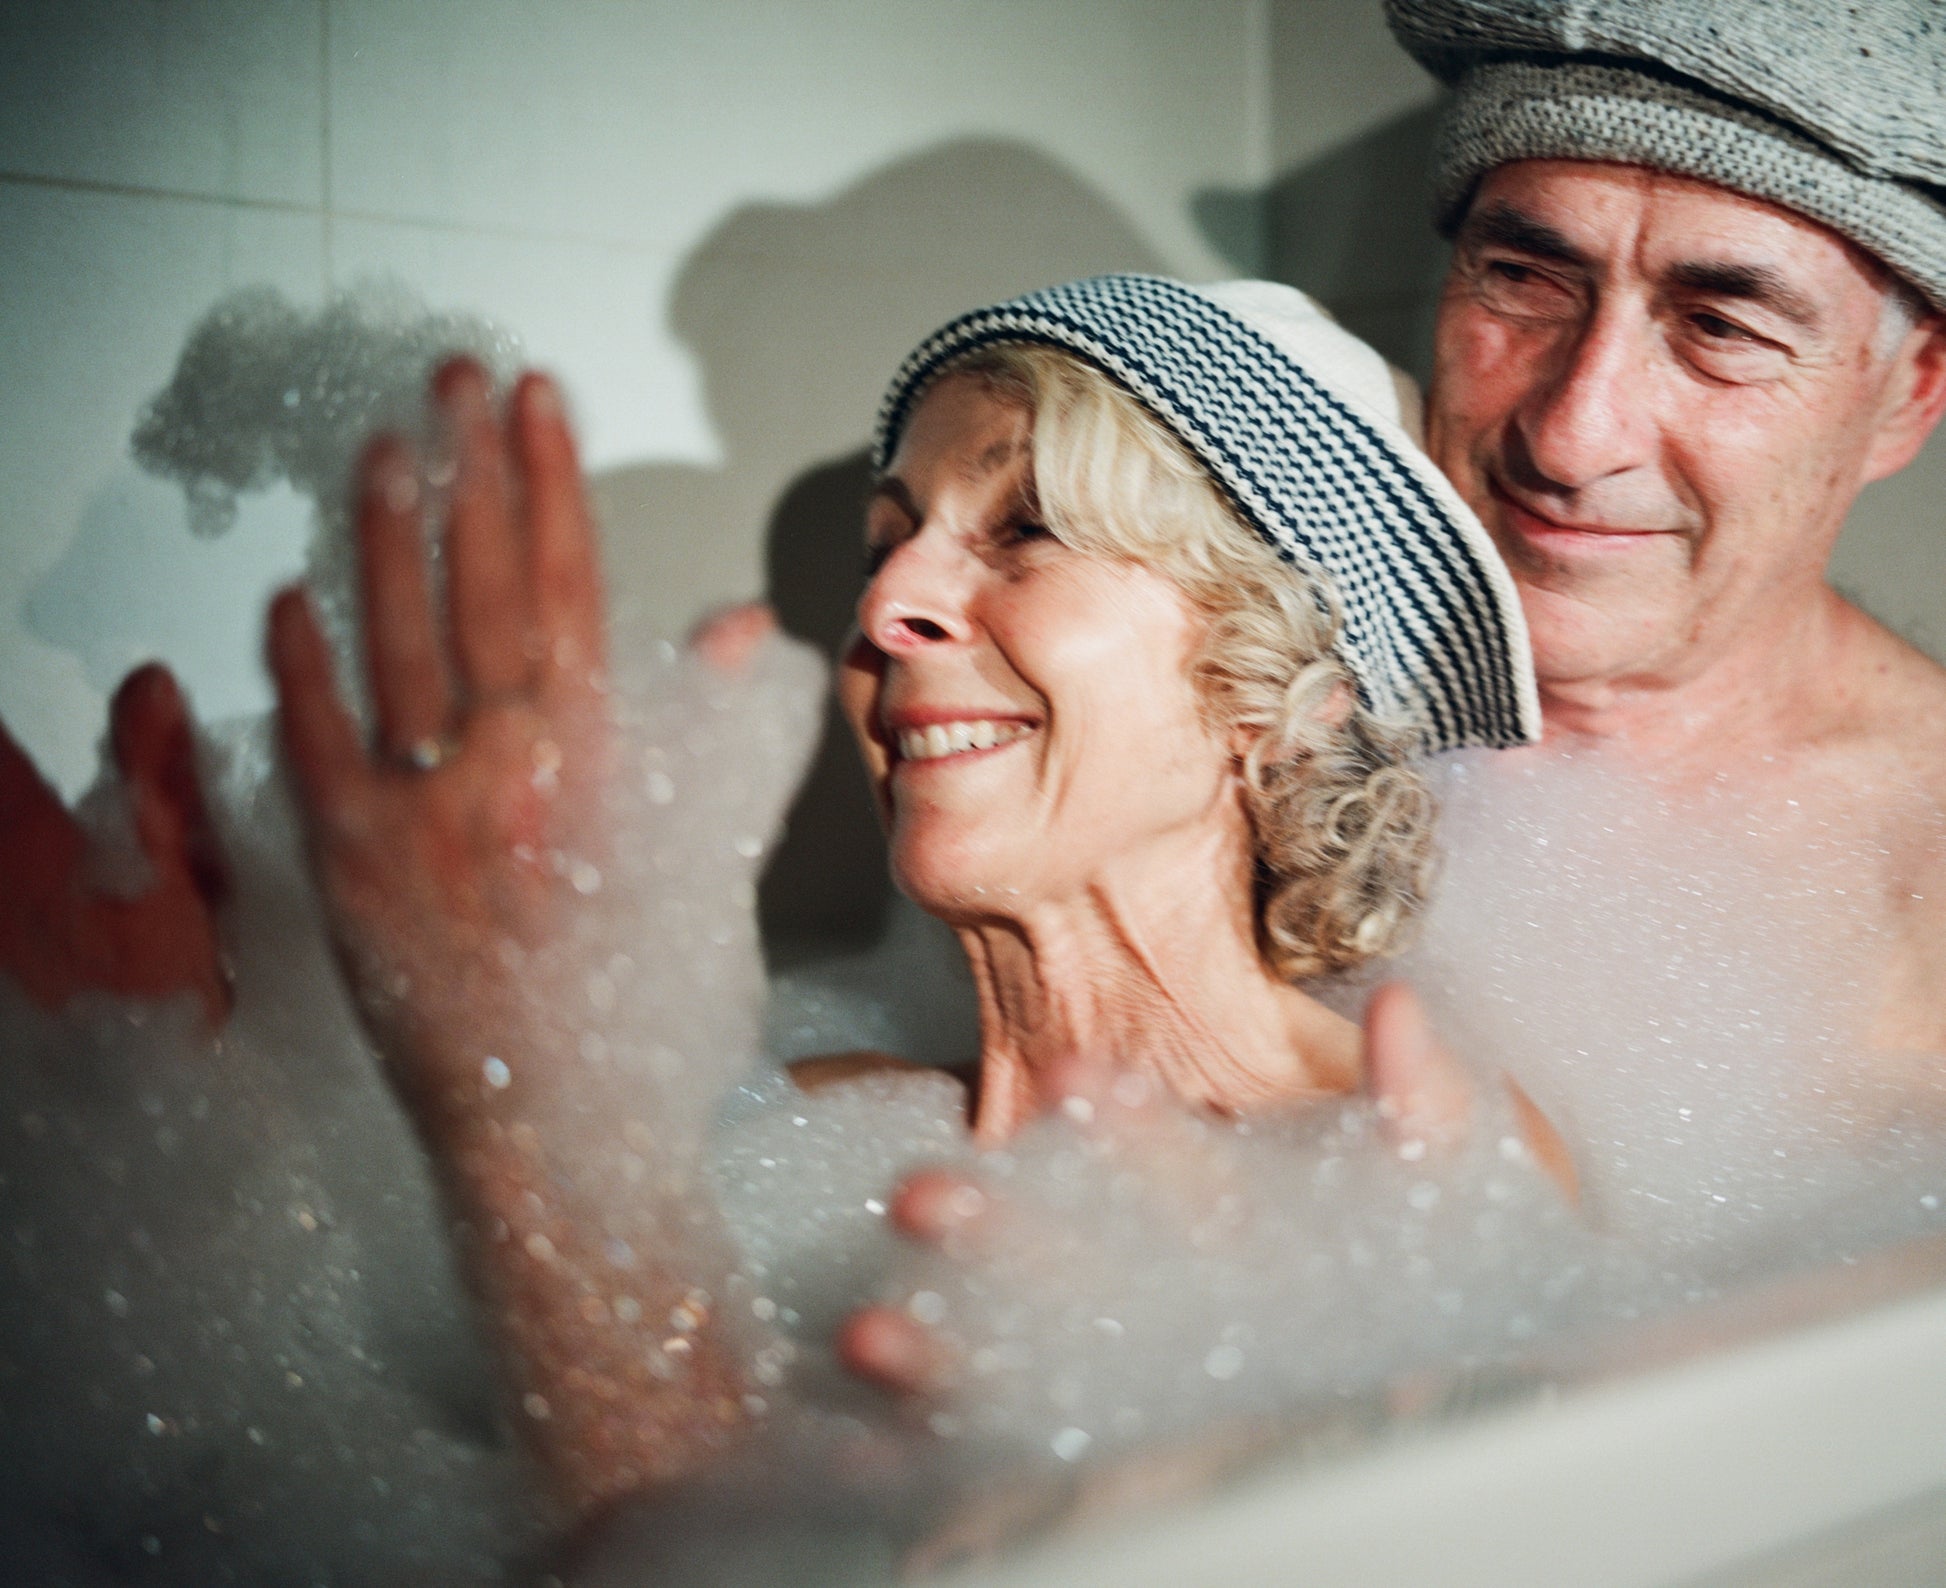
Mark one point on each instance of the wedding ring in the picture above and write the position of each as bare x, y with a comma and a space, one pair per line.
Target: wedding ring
428, 754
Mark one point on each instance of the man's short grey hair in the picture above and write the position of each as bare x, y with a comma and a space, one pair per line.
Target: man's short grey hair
1834, 111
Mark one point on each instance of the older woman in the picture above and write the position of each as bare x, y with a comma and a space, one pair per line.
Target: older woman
1132, 733
1162, 600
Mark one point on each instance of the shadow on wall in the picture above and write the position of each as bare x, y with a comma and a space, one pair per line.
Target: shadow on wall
797, 315
1352, 229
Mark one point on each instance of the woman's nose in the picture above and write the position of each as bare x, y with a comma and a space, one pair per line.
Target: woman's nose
917, 598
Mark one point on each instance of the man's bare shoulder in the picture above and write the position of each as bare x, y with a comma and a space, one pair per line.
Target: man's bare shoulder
1889, 715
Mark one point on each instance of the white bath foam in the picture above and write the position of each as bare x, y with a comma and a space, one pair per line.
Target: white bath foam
236, 1300
1685, 982
234, 1344
265, 392
238, 1345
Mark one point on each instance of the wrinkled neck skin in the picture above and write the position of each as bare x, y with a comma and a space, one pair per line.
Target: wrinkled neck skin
1793, 677
1149, 972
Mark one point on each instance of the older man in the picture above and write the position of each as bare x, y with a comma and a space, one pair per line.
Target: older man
1695, 306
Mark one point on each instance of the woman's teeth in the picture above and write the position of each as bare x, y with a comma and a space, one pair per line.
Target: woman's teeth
940, 739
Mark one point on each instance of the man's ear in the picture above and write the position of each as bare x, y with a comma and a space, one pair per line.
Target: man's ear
1915, 398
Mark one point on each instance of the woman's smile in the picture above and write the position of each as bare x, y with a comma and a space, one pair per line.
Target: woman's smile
954, 737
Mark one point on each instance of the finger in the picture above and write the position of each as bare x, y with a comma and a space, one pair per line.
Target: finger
486, 564
727, 640
1548, 1145
40, 842
149, 730
895, 1351
1420, 1088
412, 699
940, 1207
40, 858
565, 560
321, 742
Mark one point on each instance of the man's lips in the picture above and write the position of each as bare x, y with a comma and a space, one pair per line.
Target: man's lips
1542, 529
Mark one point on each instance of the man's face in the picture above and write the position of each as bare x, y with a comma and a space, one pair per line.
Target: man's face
1662, 398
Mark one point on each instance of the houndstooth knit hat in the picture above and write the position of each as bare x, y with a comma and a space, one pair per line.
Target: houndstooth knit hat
1301, 426
1833, 108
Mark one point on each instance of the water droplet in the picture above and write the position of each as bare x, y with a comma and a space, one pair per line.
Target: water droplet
498, 1075
1071, 1444
1223, 1363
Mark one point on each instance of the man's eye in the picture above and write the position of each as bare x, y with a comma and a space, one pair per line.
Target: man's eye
1718, 329
1516, 287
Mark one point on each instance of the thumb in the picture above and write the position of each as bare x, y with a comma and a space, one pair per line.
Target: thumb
1420, 1087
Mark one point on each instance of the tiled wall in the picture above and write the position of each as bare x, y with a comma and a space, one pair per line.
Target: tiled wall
721, 223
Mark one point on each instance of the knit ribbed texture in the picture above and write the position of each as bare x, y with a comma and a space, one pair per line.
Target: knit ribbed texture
1836, 110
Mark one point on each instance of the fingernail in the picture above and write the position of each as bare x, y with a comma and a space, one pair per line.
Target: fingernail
544, 399
396, 481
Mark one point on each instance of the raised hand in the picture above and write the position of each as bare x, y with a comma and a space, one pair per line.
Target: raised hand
60, 933
444, 839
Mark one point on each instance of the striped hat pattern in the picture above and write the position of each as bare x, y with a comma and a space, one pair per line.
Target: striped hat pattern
1432, 626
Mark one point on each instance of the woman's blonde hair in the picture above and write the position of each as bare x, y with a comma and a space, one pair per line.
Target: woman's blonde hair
1341, 819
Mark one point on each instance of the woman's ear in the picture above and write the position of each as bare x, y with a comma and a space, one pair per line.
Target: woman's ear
1335, 708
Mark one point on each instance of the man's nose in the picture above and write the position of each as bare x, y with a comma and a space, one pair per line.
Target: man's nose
1590, 414
919, 597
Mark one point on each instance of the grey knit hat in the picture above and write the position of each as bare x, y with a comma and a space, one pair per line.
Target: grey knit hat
1300, 425
1833, 108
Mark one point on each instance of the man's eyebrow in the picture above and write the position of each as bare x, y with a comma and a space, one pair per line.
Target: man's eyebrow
1516, 229
1758, 284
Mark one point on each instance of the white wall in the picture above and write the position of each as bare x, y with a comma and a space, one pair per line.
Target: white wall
722, 223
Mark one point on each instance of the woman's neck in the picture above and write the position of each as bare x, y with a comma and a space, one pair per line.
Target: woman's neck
1155, 975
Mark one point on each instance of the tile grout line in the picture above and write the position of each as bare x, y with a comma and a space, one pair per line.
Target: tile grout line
324, 146
93, 185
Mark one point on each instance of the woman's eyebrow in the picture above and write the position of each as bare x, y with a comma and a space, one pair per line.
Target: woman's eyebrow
993, 458
890, 488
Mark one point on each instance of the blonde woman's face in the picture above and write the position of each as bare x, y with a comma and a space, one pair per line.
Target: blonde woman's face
1025, 710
